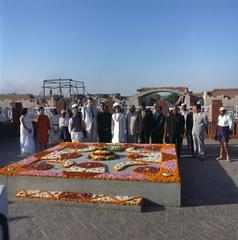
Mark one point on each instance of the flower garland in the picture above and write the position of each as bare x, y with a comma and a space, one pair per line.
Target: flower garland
167, 156
80, 197
97, 156
115, 147
122, 165
39, 166
149, 157
65, 153
121, 176
40, 155
42, 173
146, 170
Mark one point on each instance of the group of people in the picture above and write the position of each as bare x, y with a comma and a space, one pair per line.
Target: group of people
143, 125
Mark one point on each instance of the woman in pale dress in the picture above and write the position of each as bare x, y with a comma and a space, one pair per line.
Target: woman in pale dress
54, 135
118, 125
26, 134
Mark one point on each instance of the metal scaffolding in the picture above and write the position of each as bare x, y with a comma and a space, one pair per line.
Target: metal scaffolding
66, 88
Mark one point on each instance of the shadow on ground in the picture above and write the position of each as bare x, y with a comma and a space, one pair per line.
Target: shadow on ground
209, 182
12, 219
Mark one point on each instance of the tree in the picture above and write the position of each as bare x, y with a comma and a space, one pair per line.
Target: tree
173, 98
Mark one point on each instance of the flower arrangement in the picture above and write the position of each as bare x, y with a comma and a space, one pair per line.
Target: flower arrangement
146, 170
40, 155
159, 164
85, 170
121, 176
39, 166
80, 197
122, 165
170, 164
100, 155
65, 153
115, 147
146, 157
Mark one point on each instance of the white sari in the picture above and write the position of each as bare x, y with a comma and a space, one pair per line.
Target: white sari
118, 128
26, 139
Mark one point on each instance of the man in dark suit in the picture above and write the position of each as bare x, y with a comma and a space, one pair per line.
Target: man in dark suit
175, 129
189, 128
145, 123
158, 125
104, 119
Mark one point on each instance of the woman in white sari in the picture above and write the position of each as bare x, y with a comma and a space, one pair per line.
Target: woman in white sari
118, 125
26, 134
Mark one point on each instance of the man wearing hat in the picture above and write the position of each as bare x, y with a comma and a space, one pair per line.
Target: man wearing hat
63, 126
224, 129
75, 125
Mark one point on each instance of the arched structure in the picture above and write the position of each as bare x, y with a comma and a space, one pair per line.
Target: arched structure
143, 92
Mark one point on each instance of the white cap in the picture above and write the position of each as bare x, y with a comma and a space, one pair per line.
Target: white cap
63, 111
183, 104
116, 105
222, 109
75, 106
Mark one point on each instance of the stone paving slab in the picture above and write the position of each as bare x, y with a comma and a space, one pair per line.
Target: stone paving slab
209, 199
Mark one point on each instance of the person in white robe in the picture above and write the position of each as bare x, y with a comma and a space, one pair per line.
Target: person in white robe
132, 125
89, 115
27, 143
118, 125
54, 135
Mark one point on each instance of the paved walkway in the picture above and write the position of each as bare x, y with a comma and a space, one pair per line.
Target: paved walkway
209, 211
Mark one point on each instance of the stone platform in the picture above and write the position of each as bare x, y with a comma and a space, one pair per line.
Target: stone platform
161, 193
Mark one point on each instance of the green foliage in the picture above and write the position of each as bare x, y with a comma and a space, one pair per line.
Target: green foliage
173, 98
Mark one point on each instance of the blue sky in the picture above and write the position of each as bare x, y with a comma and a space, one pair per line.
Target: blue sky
119, 45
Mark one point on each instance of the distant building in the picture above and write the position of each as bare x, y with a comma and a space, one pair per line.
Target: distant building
27, 100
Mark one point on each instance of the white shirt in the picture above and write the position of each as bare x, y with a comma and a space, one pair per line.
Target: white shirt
63, 122
225, 121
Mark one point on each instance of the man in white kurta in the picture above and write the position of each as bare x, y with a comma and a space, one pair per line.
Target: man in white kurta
132, 127
54, 131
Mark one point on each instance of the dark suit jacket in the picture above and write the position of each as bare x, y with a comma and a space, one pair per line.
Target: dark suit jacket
175, 125
145, 122
189, 123
104, 120
158, 124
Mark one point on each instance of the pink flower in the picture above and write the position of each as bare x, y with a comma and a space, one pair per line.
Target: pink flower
169, 151
170, 164
121, 176
47, 173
